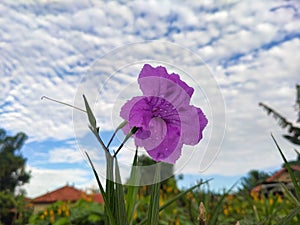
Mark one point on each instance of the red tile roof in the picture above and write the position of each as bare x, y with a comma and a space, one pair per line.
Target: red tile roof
275, 176
66, 193
97, 198
280, 172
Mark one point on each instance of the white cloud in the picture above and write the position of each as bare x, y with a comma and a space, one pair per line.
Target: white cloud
46, 48
44, 180
65, 155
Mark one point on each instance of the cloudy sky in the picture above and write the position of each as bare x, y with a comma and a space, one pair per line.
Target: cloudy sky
234, 53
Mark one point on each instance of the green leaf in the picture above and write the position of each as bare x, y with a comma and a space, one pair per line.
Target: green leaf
178, 196
289, 194
120, 199
114, 134
251, 202
218, 208
104, 195
91, 116
288, 167
286, 220
132, 132
62, 221
153, 211
110, 185
133, 188
181, 194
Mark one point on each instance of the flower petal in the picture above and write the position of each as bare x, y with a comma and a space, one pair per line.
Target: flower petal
125, 112
165, 89
169, 148
193, 122
161, 72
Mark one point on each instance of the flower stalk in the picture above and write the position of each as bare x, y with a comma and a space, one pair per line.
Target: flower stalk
202, 214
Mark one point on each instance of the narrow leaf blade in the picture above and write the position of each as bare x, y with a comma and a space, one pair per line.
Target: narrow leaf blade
104, 195
110, 185
286, 220
290, 171
153, 211
120, 198
133, 188
91, 116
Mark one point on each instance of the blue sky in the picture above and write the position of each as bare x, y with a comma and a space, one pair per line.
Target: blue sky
53, 48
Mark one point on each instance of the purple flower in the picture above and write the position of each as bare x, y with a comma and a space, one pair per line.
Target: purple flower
163, 115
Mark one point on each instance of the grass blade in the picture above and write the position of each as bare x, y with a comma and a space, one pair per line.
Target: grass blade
181, 194
106, 205
91, 116
287, 219
153, 211
120, 199
133, 188
110, 185
115, 132
215, 212
169, 202
288, 167
289, 195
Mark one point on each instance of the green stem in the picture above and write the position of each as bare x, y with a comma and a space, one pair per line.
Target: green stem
132, 132
114, 134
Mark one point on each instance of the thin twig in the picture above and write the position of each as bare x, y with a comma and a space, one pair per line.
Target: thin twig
63, 103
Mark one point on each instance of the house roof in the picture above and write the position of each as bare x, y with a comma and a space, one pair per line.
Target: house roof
280, 172
66, 193
275, 176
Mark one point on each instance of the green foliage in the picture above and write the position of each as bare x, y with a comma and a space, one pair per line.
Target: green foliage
13, 209
293, 135
63, 213
7, 204
12, 163
253, 178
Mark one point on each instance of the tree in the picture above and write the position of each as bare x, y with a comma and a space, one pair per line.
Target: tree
12, 163
293, 131
148, 173
253, 178
12, 174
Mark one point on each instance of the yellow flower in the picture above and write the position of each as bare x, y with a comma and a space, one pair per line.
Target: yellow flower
174, 211
169, 189
226, 212
52, 219
271, 201
279, 199
134, 215
59, 211
67, 213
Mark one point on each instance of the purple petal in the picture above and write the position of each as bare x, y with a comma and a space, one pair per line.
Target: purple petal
138, 114
125, 111
193, 123
166, 149
165, 89
202, 120
161, 72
